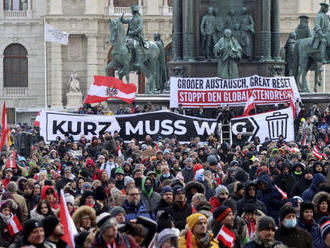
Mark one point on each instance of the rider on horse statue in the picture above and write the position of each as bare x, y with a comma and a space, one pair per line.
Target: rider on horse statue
321, 29
135, 33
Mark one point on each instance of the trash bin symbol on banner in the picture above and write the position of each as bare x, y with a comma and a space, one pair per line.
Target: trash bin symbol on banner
277, 125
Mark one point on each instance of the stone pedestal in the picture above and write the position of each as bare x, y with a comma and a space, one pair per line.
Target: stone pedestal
74, 99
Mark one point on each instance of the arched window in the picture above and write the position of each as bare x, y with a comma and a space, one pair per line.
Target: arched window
15, 66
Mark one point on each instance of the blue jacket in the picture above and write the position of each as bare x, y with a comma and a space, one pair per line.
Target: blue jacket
270, 197
315, 231
132, 212
313, 189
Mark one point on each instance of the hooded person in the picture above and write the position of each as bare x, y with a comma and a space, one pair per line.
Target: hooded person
196, 233
304, 182
166, 199
269, 195
149, 197
307, 222
250, 195
49, 194
84, 219
286, 181
321, 202
6, 237
309, 193
192, 188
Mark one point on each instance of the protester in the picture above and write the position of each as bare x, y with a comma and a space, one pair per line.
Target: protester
54, 231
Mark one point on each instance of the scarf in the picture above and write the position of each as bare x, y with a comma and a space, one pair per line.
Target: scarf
226, 237
251, 226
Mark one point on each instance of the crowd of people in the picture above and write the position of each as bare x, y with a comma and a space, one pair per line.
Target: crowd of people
163, 193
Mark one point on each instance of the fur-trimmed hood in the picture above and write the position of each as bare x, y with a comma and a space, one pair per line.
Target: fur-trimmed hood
81, 212
320, 196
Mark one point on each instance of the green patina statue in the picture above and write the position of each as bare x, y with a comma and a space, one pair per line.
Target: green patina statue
208, 32
229, 52
247, 30
289, 54
162, 66
303, 30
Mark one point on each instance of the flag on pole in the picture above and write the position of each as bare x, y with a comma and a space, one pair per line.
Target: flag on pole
104, 88
293, 106
119, 151
66, 220
55, 35
283, 194
5, 130
37, 121
14, 226
226, 236
11, 161
316, 153
249, 106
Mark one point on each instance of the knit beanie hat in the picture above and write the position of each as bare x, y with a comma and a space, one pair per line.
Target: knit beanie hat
265, 223
165, 190
177, 190
117, 210
128, 180
164, 236
69, 198
99, 193
220, 213
193, 219
119, 170
285, 210
325, 226
50, 224
250, 207
80, 238
221, 189
28, 227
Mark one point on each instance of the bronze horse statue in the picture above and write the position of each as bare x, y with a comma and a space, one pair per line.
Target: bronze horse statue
307, 59
123, 56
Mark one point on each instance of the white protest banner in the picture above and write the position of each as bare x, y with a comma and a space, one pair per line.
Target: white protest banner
271, 124
55, 35
213, 92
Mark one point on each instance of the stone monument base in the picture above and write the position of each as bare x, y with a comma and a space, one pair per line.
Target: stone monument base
74, 99
208, 68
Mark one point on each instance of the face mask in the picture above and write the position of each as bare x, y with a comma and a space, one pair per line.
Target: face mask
138, 181
290, 223
148, 187
120, 184
167, 175
222, 199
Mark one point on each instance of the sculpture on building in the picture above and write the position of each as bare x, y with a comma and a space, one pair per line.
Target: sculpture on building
162, 65
73, 83
246, 33
131, 52
219, 24
303, 30
312, 52
208, 32
289, 54
229, 52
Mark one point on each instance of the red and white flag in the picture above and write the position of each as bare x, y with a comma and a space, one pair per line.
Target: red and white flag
104, 88
14, 226
70, 229
11, 161
316, 153
226, 236
283, 194
249, 106
37, 121
119, 151
5, 130
293, 106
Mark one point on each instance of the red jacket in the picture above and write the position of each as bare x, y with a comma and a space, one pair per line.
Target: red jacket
214, 203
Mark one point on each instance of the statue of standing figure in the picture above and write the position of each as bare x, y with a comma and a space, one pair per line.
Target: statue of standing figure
303, 30
162, 66
289, 54
229, 52
208, 32
73, 83
247, 32
219, 24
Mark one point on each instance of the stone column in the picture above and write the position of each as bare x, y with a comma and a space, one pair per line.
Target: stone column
265, 34
275, 23
152, 7
55, 7
92, 7
91, 58
188, 30
1, 10
165, 8
177, 30
55, 75
140, 7
29, 10
111, 8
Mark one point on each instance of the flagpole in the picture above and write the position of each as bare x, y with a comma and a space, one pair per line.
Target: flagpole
45, 65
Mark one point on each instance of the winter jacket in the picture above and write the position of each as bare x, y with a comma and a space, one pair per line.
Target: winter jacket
317, 199
179, 215
313, 189
257, 243
314, 230
132, 212
5, 238
193, 185
122, 241
270, 197
149, 199
294, 237
241, 204
214, 203
59, 244
188, 175
301, 186
162, 205
286, 183
194, 241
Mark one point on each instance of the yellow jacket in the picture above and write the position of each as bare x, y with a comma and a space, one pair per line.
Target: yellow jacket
195, 244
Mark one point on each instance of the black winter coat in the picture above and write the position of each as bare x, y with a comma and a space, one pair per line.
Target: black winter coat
294, 237
179, 215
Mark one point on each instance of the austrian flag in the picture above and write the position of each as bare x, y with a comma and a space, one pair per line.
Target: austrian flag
104, 88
